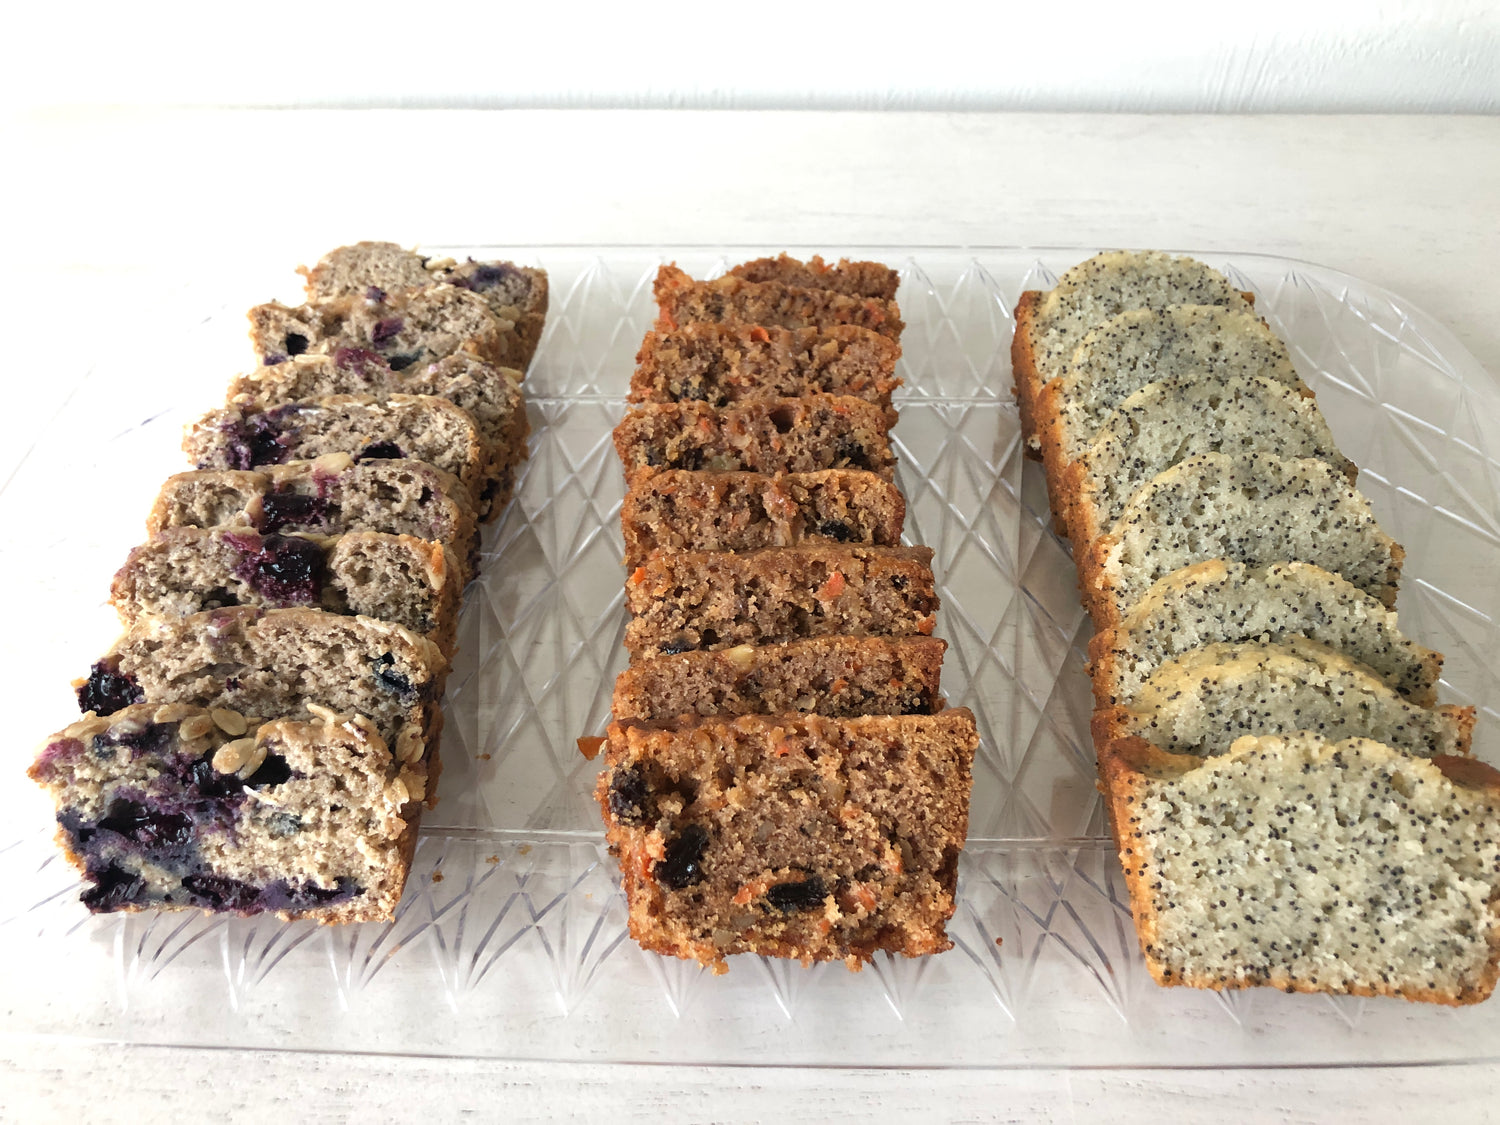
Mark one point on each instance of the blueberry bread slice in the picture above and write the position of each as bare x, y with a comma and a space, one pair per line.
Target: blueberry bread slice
678, 510
1257, 510
792, 836
733, 300
1217, 600
1050, 325
488, 394
719, 364
688, 600
1311, 864
838, 676
790, 435
415, 427
855, 279
396, 578
1201, 701
172, 806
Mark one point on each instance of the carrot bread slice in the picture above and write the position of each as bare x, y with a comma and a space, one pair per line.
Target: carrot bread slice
171, 806
691, 600
733, 300
857, 279
396, 578
678, 510
1257, 510
1050, 325
1312, 865
328, 496
490, 395
790, 435
790, 835
724, 363
1201, 701
1217, 600
840, 676
419, 427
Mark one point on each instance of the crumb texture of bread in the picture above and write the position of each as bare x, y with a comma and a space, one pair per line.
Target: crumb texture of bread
1314, 865
720, 364
1201, 701
771, 304
677, 510
856, 279
790, 835
171, 806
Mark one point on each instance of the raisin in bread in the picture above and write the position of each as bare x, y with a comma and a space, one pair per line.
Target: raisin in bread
1050, 325
791, 435
690, 600
1168, 421
839, 676
1312, 865
856, 279
490, 395
1217, 600
732, 300
678, 510
171, 806
1201, 701
416, 427
514, 293
1258, 510
790, 835
724, 363
396, 578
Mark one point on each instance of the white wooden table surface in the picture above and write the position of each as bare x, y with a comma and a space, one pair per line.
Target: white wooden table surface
127, 206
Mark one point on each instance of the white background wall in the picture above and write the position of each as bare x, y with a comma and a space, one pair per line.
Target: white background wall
1086, 55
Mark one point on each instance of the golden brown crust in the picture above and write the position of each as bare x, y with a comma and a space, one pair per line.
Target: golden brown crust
1023, 369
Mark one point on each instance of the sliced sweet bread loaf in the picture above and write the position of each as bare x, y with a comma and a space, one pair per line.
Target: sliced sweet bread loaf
839, 676
490, 395
724, 363
1168, 421
857, 279
733, 300
396, 578
790, 835
1201, 701
1257, 510
687, 600
1050, 325
790, 435
1311, 865
416, 427
1216, 600
678, 510
170, 806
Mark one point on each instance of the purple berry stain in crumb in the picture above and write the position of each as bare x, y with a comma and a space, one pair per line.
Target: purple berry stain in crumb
387, 329
285, 570
282, 509
107, 690
221, 892
489, 275
380, 451
113, 888
682, 866
384, 670
375, 294
257, 440
362, 362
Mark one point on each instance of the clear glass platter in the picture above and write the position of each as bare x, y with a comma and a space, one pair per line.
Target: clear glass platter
510, 941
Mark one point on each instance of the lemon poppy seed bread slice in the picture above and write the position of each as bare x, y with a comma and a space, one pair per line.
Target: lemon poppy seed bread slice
839, 676
679, 510
1168, 421
1050, 325
857, 279
1201, 701
793, 836
733, 300
1311, 865
723, 363
1257, 510
170, 806
688, 600
1217, 600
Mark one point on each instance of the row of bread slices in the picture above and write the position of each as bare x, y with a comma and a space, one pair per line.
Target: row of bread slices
264, 734
782, 776
1291, 805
